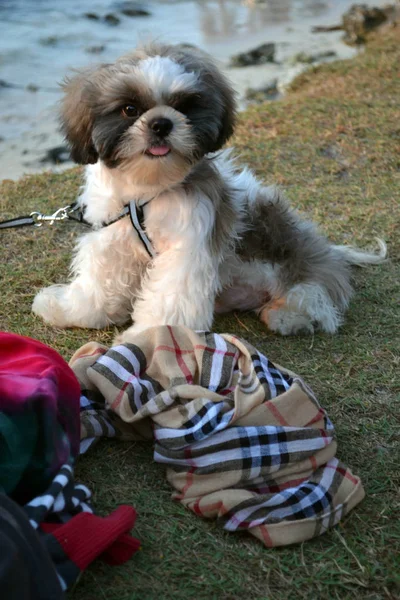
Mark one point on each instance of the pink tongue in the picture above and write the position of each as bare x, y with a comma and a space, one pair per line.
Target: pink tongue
159, 150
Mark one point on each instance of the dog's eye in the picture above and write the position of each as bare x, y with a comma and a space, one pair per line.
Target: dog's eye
184, 107
130, 111
187, 104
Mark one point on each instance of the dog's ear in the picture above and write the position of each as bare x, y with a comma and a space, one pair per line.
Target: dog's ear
220, 91
77, 118
225, 96
228, 112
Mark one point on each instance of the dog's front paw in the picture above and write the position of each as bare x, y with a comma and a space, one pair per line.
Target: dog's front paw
287, 322
48, 305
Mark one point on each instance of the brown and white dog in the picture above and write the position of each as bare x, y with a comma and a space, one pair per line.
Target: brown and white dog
148, 127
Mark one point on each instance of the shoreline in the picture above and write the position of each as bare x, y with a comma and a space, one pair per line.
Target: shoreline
31, 140
26, 154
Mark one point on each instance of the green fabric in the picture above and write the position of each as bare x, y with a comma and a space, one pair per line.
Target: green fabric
18, 438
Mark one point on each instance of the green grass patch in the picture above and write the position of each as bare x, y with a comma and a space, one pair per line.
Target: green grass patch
333, 145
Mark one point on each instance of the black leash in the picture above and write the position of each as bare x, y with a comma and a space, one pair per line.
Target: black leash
37, 219
73, 212
18, 222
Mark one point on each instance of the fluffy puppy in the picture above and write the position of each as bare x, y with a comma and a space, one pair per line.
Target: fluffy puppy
148, 127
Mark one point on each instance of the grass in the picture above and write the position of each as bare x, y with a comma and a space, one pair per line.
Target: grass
333, 144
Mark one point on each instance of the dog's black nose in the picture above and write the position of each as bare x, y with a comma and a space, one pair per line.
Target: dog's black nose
161, 127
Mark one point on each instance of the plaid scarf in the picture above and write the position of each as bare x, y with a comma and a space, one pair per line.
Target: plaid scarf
244, 441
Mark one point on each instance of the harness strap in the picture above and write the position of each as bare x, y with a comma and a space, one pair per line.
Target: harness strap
136, 215
75, 213
137, 219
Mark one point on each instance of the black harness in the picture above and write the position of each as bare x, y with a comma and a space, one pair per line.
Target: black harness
73, 212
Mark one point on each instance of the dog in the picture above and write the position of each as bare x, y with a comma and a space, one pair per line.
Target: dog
150, 128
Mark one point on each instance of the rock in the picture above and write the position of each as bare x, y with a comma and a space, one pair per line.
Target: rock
112, 19
324, 29
360, 20
309, 59
31, 87
132, 9
92, 16
326, 54
51, 40
257, 56
131, 12
5, 84
95, 49
267, 92
57, 155
301, 57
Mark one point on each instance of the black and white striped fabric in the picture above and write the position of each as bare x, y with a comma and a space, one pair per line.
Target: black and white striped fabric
63, 499
61, 502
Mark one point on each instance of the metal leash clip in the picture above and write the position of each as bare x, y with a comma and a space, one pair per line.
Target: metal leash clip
60, 215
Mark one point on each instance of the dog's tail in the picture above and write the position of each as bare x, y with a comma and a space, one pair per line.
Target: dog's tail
355, 256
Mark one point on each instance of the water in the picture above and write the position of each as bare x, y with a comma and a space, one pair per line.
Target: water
41, 39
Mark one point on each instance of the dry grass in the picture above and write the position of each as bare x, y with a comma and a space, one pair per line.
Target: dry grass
333, 144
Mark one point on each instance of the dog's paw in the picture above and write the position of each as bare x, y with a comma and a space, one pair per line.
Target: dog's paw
119, 340
127, 336
47, 304
287, 322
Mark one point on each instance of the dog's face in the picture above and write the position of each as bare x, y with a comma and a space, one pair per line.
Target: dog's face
155, 112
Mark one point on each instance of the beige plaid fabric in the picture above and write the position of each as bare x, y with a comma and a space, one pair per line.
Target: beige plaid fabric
244, 441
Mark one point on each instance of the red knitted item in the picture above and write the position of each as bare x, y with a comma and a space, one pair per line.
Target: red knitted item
121, 550
87, 536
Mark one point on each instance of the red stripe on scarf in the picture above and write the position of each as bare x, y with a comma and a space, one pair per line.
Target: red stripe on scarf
345, 473
278, 416
189, 483
179, 359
